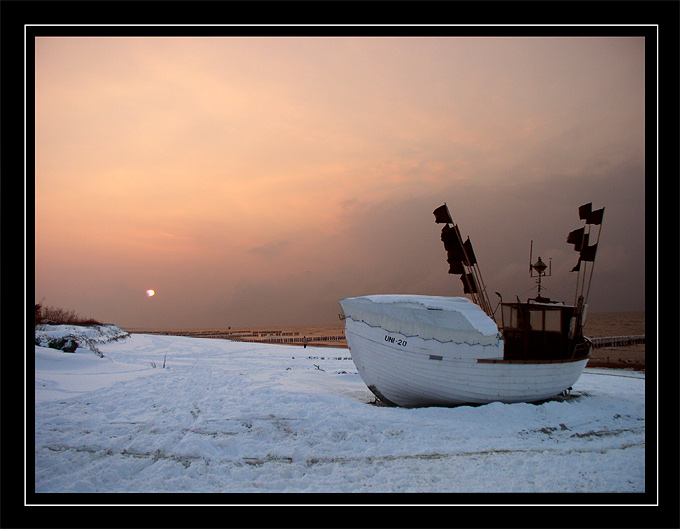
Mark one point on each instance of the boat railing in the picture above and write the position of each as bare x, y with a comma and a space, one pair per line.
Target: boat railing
581, 349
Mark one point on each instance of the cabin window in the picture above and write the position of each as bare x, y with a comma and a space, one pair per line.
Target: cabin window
553, 321
536, 320
511, 317
539, 319
514, 318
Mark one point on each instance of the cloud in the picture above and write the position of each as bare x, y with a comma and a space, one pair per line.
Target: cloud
263, 179
270, 249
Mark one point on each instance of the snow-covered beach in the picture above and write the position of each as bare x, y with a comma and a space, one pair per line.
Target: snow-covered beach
177, 414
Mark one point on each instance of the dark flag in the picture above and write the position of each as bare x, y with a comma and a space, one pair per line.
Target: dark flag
470, 253
595, 217
455, 266
578, 238
442, 215
588, 253
452, 244
469, 282
584, 210
454, 250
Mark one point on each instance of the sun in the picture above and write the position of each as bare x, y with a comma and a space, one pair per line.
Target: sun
150, 292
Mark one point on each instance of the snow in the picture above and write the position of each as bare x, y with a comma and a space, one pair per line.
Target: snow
226, 416
92, 333
436, 317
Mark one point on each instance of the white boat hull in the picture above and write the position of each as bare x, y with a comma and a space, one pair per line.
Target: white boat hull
412, 371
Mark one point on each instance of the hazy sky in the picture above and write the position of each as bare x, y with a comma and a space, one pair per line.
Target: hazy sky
256, 181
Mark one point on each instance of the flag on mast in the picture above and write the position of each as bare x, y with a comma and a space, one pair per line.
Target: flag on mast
471, 259
578, 238
442, 215
595, 217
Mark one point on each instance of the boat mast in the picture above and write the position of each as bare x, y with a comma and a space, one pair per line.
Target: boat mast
540, 268
461, 257
580, 238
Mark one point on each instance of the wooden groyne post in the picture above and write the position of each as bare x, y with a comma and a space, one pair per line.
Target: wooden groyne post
613, 341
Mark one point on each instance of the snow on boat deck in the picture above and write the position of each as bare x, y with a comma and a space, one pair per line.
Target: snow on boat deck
244, 417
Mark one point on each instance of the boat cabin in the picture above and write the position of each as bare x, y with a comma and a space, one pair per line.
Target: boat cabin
539, 330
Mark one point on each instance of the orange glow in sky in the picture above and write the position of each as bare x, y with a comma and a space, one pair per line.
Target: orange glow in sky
257, 181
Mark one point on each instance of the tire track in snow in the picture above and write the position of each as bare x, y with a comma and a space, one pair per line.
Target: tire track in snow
186, 459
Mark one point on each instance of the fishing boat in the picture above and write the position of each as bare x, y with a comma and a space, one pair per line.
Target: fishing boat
415, 351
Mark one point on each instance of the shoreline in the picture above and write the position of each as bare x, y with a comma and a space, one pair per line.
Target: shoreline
597, 324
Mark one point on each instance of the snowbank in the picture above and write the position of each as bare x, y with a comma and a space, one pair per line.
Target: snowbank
226, 416
70, 337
